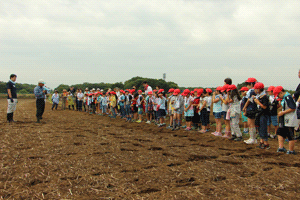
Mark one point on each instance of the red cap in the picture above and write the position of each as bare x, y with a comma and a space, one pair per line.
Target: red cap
176, 92
140, 91
171, 90
251, 80
231, 87
186, 91
150, 92
219, 88
160, 90
199, 92
208, 90
154, 90
271, 88
244, 89
192, 92
277, 90
91, 94
259, 85
224, 88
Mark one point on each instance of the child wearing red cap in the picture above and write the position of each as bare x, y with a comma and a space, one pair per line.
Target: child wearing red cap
273, 118
127, 105
178, 109
161, 106
155, 109
149, 107
188, 109
203, 112
140, 102
104, 104
244, 91
287, 120
235, 112
171, 100
225, 107
209, 102
196, 117
217, 110
250, 110
134, 107
122, 104
262, 102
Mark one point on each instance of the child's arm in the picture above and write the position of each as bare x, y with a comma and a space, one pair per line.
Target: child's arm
285, 112
203, 106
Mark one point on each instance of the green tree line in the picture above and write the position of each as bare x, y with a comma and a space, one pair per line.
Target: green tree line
21, 88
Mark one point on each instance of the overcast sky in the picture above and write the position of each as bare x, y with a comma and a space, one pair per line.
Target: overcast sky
197, 43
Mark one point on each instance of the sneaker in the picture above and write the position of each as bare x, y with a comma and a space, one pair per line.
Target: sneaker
169, 127
183, 126
251, 141
202, 131
187, 129
214, 133
177, 128
273, 136
238, 139
265, 146
233, 137
218, 134
260, 145
247, 140
291, 152
148, 122
160, 125
281, 150
138, 121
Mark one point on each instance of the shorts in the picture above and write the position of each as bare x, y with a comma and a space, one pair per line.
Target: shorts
273, 120
218, 115
161, 113
135, 109
251, 114
140, 111
178, 111
196, 118
204, 117
286, 132
224, 113
244, 118
188, 118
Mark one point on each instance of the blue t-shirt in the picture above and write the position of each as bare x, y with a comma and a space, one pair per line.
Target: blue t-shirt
122, 102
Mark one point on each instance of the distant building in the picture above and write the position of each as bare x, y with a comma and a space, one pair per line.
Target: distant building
164, 76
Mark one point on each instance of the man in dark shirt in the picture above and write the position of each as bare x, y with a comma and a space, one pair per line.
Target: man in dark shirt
11, 97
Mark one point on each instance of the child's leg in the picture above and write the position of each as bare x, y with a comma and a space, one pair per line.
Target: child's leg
280, 141
171, 119
291, 145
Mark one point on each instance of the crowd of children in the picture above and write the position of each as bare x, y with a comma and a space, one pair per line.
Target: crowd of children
257, 107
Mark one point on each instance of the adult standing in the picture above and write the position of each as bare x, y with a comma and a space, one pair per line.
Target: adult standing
147, 87
40, 94
297, 92
11, 97
80, 97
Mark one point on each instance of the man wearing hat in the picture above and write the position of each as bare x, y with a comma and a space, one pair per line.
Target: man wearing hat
11, 97
40, 94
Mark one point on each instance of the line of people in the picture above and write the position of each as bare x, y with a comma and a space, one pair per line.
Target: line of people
257, 108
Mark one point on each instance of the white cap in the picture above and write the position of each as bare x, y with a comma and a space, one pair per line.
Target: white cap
93, 89
41, 81
98, 88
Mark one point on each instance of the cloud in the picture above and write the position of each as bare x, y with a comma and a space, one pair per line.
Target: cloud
192, 41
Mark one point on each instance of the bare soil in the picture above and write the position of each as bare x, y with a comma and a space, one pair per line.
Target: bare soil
73, 155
